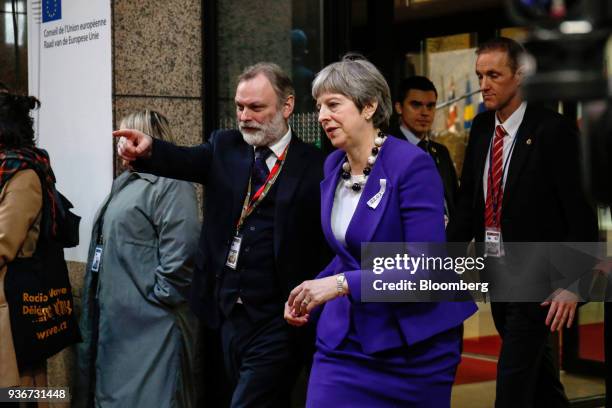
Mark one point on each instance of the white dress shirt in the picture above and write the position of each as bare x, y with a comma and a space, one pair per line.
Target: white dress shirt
277, 149
411, 137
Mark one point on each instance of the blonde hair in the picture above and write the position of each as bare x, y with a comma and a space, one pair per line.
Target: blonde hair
150, 122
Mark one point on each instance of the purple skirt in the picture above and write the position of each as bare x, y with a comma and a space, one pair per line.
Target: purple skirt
420, 376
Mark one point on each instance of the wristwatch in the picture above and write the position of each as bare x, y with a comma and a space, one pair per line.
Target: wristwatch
340, 278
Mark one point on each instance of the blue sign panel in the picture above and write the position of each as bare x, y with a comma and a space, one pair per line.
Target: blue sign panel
51, 10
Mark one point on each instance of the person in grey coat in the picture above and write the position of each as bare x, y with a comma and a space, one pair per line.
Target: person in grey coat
139, 334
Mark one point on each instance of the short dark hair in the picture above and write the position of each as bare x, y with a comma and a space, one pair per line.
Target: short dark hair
513, 50
278, 78
420, 83
16, 124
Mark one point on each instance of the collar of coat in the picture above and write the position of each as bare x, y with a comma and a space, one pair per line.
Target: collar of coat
146, 176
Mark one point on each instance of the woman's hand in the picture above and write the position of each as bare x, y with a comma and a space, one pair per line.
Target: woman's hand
312, 293
294, 320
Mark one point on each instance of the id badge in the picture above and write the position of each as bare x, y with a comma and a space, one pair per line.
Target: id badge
493, 242
234, 252
95, 264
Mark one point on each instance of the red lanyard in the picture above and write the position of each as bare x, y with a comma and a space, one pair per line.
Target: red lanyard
250, 204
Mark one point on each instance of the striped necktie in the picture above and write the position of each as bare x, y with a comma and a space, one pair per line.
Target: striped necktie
495, 189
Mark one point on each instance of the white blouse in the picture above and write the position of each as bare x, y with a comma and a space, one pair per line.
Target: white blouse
345, 203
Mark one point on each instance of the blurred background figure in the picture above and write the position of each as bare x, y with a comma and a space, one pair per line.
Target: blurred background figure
302, 75
139, 334
416, 108
29, 209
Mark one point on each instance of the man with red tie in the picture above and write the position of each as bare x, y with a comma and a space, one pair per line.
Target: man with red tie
521, 183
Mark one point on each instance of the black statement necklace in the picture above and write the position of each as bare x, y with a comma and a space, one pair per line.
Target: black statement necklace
346, 167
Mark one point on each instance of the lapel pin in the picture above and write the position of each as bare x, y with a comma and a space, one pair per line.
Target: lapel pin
375, 200
529, 141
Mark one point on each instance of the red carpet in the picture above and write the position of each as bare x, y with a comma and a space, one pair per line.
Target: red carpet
472, 370
591, 341
485, 345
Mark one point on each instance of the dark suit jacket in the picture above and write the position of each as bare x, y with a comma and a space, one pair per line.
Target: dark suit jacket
439, 153
544, 199
223, 166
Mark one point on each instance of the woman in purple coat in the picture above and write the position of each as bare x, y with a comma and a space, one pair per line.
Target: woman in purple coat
376, 189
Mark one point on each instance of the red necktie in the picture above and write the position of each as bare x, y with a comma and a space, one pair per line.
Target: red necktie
495, 189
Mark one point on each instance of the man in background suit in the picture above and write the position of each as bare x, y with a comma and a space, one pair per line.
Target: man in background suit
261, 234
521, 183
416, 107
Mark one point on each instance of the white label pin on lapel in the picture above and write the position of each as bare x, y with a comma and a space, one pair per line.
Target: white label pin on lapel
374, 201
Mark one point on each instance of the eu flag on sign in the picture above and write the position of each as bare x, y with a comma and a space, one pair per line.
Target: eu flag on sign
51, 10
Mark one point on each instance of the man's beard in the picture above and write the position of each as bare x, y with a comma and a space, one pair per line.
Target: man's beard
266, 134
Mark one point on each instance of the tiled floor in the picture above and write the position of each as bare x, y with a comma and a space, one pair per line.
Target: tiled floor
482, 395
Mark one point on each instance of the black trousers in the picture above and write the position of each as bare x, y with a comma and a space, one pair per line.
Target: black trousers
261, 359
527, 375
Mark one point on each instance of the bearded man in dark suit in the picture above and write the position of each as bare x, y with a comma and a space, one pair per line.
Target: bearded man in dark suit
261, 235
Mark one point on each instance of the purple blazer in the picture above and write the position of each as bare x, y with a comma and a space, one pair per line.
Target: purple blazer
411, 210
